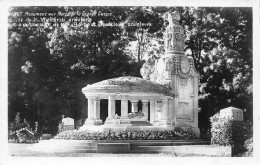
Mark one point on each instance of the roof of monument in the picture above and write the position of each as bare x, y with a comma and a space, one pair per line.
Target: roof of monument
128, 84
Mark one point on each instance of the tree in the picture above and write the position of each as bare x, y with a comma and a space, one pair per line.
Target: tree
58, 60
49, 64
220, 42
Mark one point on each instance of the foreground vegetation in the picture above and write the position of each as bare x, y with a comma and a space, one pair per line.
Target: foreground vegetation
124, 135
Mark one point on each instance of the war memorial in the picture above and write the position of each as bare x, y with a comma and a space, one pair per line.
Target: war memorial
162, 107
168, 90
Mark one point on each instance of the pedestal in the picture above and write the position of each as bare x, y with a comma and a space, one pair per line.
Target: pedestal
92, 122
111, 121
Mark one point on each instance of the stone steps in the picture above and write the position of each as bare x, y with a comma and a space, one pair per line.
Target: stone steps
140, 123
165, 144
84, 146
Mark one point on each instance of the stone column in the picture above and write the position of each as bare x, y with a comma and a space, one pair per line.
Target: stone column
96, 108
124, 106
111, 111
124, 120
152, 111
145, 108
134, 106
90, 108
97, 119
111, 107
173, 110
93, 112
165, 122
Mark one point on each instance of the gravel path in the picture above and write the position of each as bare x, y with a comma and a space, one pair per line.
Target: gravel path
20, 150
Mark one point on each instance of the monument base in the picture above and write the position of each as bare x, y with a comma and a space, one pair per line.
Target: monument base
165, 123
124, 121
193, 130
196, 131
111, 121
93, 122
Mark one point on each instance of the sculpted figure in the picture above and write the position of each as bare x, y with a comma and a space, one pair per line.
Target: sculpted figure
172, 18
136, 115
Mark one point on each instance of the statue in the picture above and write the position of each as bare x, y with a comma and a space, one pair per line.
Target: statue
174, 34
135, 115
172, 18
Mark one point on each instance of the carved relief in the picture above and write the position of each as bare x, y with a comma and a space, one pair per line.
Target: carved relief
136, 115
183, 82
184, 65
161, 66
178, 42
183, 90
172, 18
168, 43
128, 83
174, 34
145, 71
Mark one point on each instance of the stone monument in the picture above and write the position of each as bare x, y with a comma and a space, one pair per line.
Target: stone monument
177, 71
235, 113
67, 124
168, 90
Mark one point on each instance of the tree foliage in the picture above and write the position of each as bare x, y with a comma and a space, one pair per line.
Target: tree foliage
49, 64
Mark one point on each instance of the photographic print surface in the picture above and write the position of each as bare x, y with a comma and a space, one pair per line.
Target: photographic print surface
88, 81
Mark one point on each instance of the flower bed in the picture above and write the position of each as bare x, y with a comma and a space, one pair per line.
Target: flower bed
123, 135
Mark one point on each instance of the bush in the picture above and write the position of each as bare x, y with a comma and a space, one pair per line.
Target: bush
46, 137
221, 130
225, 131
248, 147
123, 135
20, 131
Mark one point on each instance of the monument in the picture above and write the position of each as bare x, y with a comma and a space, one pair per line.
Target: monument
168, 90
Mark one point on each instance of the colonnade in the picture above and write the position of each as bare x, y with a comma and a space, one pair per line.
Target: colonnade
94, 109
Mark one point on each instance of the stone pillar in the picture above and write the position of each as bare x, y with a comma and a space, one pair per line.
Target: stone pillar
124, 120
97, 119
165, 108
152, 110
111, 107
171, 110
111, 110
124, 106
165, 119
195, 99
93, 112
134, 106
90, 108
145, 108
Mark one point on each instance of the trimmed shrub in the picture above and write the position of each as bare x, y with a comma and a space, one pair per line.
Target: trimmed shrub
123, 135
221, 130
225, 131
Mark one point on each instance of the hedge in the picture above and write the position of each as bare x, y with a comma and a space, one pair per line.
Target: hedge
225, 131
123, 135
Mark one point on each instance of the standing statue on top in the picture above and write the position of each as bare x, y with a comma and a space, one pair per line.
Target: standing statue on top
172, 18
